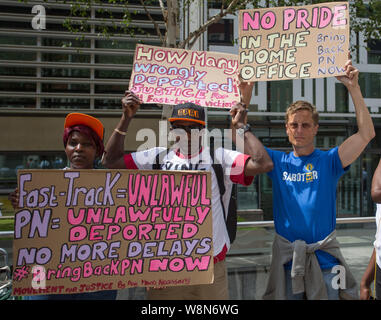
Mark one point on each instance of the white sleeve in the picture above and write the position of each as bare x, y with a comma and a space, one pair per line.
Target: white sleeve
233, 163
145, 159
226, 158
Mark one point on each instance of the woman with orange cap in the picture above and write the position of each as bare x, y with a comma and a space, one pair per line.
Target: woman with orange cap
83, 142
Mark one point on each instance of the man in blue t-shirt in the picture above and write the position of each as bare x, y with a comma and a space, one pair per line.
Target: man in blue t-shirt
304, 198
304, 193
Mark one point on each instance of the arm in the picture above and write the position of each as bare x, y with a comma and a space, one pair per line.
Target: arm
246, 90
367, 278
376, 184
14, 197
259, 161
353, 146
114, 151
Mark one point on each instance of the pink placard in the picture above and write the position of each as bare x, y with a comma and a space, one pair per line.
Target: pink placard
174, 76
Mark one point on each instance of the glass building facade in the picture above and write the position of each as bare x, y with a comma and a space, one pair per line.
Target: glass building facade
47, 73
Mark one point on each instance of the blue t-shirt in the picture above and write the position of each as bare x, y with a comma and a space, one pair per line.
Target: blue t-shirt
304, 197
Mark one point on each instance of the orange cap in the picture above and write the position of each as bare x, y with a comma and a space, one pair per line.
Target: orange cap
75, 118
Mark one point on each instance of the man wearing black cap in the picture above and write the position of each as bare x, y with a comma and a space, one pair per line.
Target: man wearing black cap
187, 129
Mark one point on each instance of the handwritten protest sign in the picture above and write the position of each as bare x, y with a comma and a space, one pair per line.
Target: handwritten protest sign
173, 76
92, 230
286, 43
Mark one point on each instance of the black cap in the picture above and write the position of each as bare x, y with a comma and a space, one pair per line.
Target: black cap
189, 112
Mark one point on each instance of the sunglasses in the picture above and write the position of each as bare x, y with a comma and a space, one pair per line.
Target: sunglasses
188, 129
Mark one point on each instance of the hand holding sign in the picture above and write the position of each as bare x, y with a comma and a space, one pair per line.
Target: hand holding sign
246, 90
350, 79
14, 198
238, 113
130, 104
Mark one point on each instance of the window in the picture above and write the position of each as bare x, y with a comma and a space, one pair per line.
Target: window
111, 88
17, 86
114, 59
341, 98
221, 33
107, 103
374, 52
26, 41
370, 84
64, 57
112, 74
67, 73
16, 102
66, 87
65, 103
66, 69
66, 43
25, 56
248, 197
11, 162
279, 95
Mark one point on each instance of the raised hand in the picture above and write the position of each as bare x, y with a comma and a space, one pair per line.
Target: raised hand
239, 115
14, 198
130, 104
246, 90
351, 77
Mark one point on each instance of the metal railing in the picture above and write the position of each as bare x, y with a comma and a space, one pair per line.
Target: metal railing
338, 221
7, 234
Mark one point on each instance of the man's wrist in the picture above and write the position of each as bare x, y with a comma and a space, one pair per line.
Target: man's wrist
243, 129
239, 125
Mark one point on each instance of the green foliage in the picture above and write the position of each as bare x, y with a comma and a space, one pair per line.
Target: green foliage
107, 22
366, 18
104, 21
6, 224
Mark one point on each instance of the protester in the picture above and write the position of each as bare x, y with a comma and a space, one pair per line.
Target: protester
305, 249
83, 142
373, 271
188, 129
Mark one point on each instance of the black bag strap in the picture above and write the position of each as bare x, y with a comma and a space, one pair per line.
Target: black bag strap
159, 159
219, 172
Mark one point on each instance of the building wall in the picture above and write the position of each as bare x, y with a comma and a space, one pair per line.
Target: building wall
44, 132
47, 73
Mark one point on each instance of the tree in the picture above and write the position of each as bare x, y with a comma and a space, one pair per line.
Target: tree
365, 17
81, 20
